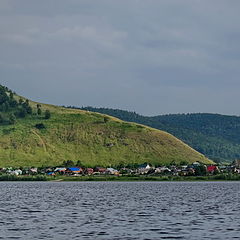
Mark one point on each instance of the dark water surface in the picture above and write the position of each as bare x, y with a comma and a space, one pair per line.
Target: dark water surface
119, 210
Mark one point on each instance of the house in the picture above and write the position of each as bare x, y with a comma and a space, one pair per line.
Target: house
33, 170
196, 164
235, 170
183, 167
162, 170
125, 170
16, 172
212, 168
223, 168
190, 170
236, 163
88, 171
73, 170
51, 174
47, 170
143, 168
60, 170
100, 170
112, 171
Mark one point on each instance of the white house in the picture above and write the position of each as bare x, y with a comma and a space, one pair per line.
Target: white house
162, 170
144, 168
112, 171
17, 172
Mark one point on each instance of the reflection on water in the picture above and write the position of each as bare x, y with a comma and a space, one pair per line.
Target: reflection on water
119, 210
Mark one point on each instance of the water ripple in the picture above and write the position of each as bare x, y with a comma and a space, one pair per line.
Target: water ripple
119, 210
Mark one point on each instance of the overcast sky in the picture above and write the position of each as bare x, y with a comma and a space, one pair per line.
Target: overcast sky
149, 56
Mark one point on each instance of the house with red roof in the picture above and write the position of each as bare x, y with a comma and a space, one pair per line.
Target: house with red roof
212, 168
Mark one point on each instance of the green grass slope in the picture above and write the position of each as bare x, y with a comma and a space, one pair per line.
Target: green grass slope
92, 138
214, 135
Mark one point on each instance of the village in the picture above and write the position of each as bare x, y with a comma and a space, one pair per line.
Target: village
194, 169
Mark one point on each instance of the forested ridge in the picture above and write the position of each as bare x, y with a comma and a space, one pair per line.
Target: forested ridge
216, 136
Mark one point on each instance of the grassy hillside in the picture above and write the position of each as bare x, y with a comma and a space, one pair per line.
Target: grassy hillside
214, 135
92, 138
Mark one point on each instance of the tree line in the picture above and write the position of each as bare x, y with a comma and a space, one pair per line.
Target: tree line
12, 107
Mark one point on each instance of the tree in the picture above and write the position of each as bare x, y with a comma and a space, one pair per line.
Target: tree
27, 106
47, 114
106, 119
12, 118
1, 118
22, 113
39, 111
79, 163
13, 103
5, 107
200, 170
68, 163
21, 101
3, 95
183, 163
29, 110
11, 95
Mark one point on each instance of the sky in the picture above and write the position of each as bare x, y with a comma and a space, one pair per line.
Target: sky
149, 56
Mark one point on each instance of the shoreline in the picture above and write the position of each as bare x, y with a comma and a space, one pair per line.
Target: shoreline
109, 178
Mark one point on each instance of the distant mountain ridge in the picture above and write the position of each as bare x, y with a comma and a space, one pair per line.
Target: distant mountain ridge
214, 135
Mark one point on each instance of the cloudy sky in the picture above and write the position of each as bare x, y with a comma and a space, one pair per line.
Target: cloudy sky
148, 56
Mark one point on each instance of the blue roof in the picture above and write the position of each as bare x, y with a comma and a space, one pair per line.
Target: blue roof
74, 169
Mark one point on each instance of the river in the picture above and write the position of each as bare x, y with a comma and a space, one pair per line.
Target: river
119, 210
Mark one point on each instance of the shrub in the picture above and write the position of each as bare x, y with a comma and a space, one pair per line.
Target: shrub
40, 126
47, 114
106, 119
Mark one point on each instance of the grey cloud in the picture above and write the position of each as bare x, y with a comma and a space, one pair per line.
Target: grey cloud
155, 56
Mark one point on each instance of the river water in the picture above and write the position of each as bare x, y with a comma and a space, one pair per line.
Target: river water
119, 210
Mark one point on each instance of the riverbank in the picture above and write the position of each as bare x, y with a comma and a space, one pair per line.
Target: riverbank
220, 177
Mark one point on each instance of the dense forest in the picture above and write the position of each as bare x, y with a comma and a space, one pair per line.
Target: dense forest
216, 136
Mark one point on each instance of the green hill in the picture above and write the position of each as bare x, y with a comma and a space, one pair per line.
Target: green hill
214, 135
77, 135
